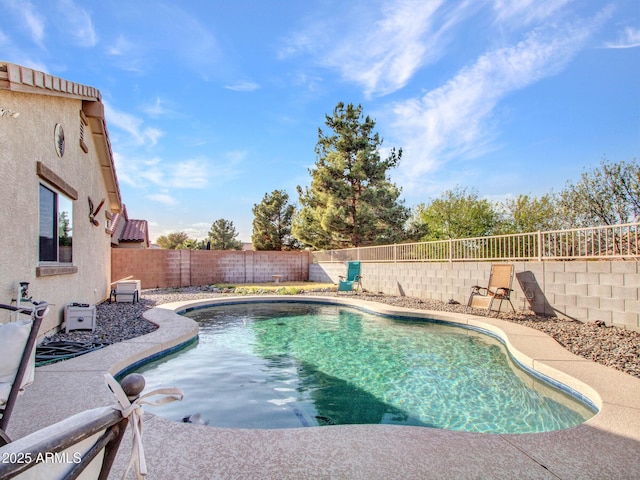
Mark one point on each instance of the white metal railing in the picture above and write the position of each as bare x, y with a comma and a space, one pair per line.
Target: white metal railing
605, 242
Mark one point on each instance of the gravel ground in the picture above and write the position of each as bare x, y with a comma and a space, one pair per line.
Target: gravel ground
610, 346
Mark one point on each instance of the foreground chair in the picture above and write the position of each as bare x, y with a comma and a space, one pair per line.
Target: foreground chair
499, 288
85, 445
17, 344
352, 280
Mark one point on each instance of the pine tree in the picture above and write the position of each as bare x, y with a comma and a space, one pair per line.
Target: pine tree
272, 223
351, 202
223, 236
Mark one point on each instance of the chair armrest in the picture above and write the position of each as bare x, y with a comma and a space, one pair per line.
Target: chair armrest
8, 307
477, 288
504, 291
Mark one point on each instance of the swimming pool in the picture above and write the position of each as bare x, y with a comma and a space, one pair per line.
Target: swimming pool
285, 365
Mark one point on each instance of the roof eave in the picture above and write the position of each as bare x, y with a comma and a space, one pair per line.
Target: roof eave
17, 78
94, 110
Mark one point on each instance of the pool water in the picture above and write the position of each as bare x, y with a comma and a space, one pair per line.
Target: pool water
285, 365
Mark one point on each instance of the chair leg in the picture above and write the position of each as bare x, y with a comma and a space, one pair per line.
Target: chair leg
489, 307
468, 303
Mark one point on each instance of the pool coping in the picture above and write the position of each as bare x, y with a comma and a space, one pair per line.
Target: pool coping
605, 446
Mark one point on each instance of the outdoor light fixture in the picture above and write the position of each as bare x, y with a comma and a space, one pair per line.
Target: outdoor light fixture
24, 291
5, 112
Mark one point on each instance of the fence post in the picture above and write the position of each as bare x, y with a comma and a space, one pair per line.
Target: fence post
395, 253
539, 246
450, 250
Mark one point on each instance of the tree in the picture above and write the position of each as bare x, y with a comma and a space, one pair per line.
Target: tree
456, 214
223, 236
190, 244
64, 229
272, 223
173, 240
608, 195
526, 214
350, 202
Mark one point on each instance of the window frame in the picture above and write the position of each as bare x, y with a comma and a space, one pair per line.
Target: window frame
52, 182
59, 199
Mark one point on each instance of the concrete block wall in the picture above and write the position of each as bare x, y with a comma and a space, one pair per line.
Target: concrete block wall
182, 268
581, 290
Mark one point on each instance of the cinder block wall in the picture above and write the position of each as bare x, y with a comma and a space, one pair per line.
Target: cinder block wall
582, 290
183, 268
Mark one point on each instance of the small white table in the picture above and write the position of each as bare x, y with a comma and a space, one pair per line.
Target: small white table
276, 279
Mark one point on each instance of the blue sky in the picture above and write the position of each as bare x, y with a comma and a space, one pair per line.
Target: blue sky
212, 104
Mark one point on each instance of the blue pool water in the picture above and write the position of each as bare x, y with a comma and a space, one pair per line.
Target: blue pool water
285, 365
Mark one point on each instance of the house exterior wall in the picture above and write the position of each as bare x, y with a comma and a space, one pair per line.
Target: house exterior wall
581, 290
24, 141
183, 268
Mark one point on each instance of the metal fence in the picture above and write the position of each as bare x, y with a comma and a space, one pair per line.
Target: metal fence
606, 242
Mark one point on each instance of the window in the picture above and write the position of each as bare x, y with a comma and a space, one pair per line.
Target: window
56, 227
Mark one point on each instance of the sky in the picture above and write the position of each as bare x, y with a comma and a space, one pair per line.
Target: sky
210, 105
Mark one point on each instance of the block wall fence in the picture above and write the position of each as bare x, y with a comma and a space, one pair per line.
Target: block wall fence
581, 290
182, 268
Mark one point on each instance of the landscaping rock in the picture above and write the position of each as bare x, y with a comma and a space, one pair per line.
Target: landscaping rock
611, 346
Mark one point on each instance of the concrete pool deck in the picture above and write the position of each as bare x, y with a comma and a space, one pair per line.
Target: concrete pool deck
607, 446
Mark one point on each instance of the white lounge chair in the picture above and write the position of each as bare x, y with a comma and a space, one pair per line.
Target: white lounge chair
17, 344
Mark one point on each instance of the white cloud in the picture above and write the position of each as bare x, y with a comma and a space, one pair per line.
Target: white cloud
78, 23
628, 38
132, 125
524, 12
120, 47
386, 57
456, 120
201, 225
379, 48
31, 18
153, 134
157, 109
188, 174
163, 199
150, 170
187, 38
383, 56
243, 87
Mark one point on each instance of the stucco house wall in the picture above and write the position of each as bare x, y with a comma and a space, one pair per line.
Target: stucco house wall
28, 157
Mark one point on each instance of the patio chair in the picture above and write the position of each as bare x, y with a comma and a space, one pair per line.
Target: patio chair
17, 344
85, 445
352, 280
125, 290
499, 288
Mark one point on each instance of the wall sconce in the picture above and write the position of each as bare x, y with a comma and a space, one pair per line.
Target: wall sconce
5, 112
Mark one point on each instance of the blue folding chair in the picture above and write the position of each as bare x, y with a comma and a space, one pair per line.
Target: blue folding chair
353, 279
